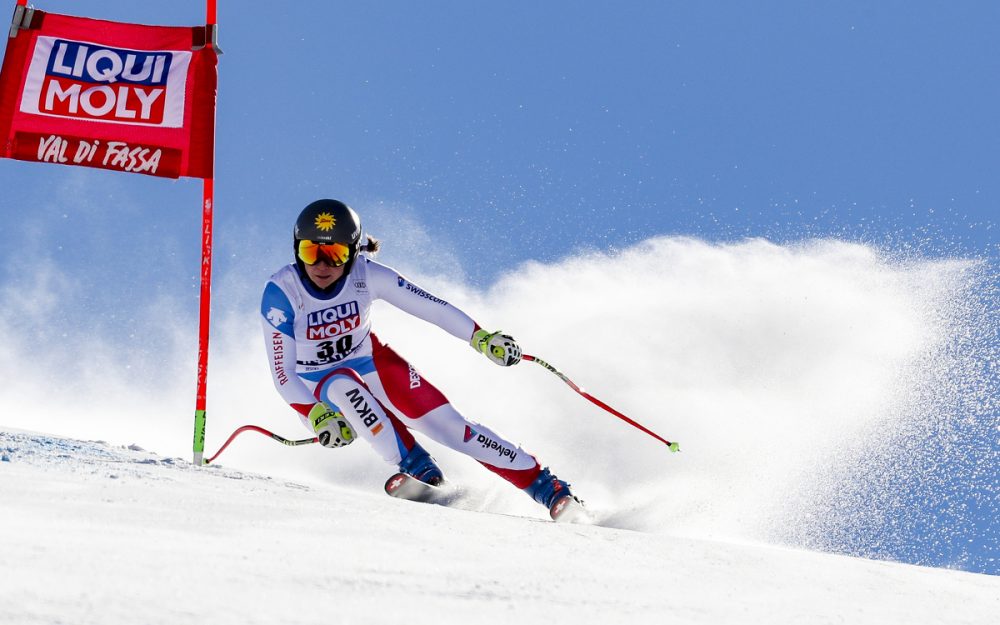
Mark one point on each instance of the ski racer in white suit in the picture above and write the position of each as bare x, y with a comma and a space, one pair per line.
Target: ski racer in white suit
344, 382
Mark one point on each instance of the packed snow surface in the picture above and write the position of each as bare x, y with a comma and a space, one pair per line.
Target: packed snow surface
96, 533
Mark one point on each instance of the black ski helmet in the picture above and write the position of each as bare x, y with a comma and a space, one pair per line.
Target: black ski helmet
329, 221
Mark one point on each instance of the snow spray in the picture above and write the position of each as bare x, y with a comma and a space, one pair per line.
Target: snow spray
827, 395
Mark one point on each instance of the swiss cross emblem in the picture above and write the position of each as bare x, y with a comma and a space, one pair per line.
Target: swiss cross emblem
396, 482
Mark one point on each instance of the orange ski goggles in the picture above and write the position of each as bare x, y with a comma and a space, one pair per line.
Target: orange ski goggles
310, 252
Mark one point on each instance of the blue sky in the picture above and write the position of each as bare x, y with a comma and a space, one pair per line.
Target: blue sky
583, 124
532, 131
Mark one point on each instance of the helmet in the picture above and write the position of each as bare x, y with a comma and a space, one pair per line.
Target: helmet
329, 221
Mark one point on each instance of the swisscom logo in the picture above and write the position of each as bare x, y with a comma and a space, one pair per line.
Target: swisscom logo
88, 81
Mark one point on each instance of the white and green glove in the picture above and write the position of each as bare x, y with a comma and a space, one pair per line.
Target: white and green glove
331, 427
498, 347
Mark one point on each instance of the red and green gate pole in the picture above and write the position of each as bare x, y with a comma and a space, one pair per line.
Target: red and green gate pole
208, 200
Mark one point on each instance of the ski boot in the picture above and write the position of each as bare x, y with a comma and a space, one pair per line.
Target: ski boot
555, 495
419, 464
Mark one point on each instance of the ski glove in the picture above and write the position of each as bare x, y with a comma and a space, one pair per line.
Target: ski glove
331, 427
498, 347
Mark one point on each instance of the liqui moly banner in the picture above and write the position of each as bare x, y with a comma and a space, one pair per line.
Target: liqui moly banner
126, 97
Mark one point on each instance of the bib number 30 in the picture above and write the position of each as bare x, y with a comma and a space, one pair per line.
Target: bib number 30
332, 351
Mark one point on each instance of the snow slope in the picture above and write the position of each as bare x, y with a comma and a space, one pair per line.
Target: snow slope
95, 533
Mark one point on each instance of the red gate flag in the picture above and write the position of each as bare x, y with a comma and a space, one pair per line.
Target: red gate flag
126, 97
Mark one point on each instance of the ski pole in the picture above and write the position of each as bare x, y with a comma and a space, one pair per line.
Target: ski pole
255, 428
674, 447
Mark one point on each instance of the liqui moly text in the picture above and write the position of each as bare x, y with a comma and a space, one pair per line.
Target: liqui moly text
89, 81
332, 322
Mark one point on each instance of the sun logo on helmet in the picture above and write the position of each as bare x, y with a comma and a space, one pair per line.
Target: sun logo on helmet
325, 221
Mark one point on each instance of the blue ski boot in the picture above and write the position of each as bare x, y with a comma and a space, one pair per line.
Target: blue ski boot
555, 495
420, 465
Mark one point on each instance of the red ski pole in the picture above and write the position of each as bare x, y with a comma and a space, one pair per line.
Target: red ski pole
255, 428
674, 447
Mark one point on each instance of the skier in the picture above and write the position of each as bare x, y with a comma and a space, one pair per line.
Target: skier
330, 367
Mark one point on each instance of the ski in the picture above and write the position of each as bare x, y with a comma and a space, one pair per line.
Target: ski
404, 486
569, 510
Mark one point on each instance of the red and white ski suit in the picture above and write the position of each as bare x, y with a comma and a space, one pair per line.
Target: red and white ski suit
321, 347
